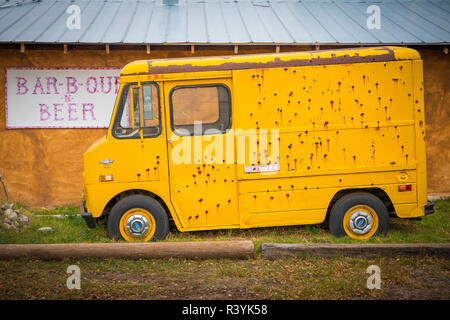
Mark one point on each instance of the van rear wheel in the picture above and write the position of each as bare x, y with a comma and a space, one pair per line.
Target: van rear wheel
359, 215
138, 218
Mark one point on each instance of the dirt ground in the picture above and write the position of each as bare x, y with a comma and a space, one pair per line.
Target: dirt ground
309, 278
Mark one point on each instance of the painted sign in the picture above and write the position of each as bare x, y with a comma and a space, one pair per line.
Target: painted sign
60, 98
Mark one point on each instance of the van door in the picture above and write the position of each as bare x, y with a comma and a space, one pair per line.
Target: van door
138, 151
202, 171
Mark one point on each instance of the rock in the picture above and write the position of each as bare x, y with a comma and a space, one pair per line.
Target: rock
11, 214
45, 229
7, 225
7, 206
24, 219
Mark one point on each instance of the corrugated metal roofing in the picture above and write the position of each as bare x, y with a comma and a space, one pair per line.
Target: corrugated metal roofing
226, 22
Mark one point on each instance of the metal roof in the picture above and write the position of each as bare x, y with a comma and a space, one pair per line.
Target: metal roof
225, 22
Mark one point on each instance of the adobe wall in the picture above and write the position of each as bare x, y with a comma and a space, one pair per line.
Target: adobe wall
43, 167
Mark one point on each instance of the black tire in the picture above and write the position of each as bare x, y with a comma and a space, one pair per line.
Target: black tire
149, 204
340, 208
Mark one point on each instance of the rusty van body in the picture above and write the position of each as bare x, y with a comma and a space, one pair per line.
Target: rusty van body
284, 139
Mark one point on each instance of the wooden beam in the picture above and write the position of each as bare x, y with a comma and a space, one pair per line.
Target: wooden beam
192, 48
445, 50
277, 49
236, 49
107, 49
317, 47
278, 250
22, 47
65, 48
188, 250
148, 49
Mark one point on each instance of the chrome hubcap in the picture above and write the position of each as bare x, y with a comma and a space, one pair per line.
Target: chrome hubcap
360, 222
137, 225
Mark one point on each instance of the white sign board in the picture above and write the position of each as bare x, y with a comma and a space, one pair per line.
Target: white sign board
60, 98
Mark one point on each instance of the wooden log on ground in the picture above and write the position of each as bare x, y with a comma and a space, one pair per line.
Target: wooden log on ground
278, 250
197, 249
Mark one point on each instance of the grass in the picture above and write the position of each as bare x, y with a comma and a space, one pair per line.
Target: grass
221, 279
419, 277
433, 228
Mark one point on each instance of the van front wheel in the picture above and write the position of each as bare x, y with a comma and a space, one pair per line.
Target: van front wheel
359, 215
138, 218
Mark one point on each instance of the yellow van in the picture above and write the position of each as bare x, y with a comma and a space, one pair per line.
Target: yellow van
262, 140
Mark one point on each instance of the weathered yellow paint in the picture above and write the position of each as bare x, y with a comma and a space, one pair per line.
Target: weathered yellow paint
345, 119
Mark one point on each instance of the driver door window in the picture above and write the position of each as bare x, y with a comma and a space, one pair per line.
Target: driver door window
138, 112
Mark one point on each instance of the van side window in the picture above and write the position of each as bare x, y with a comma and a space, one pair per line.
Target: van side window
209, 105
138, 108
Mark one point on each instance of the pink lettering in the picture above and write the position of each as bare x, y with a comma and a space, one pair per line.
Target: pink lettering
51, 81
71, 83
21, 83
70, 110
117, 83
86, 110
56, 110
102, 85
38, 85
88, 82
45, 115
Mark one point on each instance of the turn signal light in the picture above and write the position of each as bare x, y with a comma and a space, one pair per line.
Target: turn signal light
106, 177
405, 187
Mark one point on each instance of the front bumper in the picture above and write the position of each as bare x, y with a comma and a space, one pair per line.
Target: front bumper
429, 208
90, 221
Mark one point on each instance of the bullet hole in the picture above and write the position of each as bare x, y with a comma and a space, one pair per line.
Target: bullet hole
290, 93
190, 217
393, 162
206, 212
254, 196
271, 198
229, 200
287, 195
340, 180
196, 217
218, 205
200, 200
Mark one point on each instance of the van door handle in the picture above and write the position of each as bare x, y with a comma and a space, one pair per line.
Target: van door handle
170, 142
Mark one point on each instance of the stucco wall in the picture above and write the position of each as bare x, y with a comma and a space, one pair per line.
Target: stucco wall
42, 167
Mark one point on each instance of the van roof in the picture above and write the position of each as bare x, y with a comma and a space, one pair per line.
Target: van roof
269, 60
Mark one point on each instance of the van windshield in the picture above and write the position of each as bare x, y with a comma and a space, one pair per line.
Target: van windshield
138, 108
